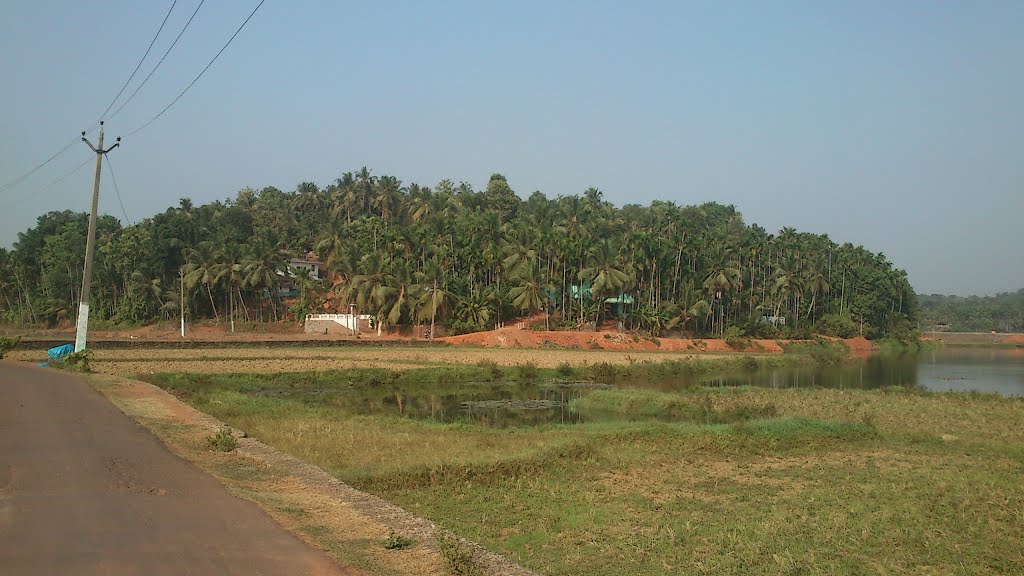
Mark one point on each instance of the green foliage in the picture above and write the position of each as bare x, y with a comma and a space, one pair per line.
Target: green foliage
396, 541
735, 337
459, 558
873, 468
455, 258
836, 326
668, 406
527, 372
820, 351
76, 361
8, 344
1002, 313
491, 369
223, 440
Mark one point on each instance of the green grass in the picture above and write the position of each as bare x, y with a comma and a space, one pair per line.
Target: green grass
641, 403
820, 351
734, 481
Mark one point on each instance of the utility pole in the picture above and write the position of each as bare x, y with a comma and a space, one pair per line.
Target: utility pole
90, 243
181, 275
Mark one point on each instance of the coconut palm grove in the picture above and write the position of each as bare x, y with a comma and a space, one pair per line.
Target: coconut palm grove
460, 259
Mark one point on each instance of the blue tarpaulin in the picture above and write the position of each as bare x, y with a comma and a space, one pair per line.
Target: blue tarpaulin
58, 352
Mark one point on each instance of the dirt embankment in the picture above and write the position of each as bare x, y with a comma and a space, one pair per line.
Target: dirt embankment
288, 334
519, 338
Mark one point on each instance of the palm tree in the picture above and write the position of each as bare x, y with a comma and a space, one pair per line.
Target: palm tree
400, 292
231, 273
370, 286
476, 308
202, 270
530, 292
388, 197
606, 276
332, 245
816, 282
433, 296
786, 285
362, 191
264, 267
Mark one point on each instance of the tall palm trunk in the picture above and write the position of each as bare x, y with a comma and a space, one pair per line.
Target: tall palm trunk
209, 292
433, 310
245, 309
231, 308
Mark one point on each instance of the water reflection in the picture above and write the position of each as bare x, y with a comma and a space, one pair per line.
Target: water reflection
509, 404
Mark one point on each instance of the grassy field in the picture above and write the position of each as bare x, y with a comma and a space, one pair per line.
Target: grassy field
740, 481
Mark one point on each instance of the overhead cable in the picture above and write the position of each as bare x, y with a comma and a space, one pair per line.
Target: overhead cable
139, 65
178, 97
161, 61
117, 191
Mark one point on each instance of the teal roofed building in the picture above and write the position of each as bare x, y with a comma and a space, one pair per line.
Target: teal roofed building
617, 304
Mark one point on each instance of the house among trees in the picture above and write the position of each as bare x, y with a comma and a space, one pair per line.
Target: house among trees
307, 268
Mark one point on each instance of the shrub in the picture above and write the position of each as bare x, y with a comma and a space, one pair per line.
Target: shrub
734, 337
565, 369
801, 333
77, 361
836, 325
396, 541
8, 344
494, 371
527, 372
603, 372
458, 557
223, 440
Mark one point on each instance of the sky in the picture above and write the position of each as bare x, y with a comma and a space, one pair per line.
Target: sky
898, 126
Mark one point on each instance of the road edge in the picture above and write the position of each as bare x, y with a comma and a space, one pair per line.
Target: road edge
184, 429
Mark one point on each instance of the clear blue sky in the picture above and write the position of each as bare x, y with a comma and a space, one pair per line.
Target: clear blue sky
896, 125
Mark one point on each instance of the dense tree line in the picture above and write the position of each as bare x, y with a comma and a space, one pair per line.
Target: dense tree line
460, 258
1002, 313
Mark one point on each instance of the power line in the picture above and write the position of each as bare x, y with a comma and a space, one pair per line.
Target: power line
162, 58
139, 65
50, 185
58, 153
178, 97
117, 191
25, 176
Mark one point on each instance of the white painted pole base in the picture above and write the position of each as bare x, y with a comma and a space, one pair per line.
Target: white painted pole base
82, 327
183, 327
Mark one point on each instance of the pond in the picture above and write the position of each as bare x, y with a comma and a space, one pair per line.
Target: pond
986, 370
507, 404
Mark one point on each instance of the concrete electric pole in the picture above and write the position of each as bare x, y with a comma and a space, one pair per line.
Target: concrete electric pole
90, 242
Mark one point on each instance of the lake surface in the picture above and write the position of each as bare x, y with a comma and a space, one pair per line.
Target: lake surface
986, 370
505, 404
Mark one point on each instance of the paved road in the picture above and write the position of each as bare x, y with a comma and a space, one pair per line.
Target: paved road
86, 490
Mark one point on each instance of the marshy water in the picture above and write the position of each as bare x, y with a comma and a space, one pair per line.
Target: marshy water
985, 370
504, 404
